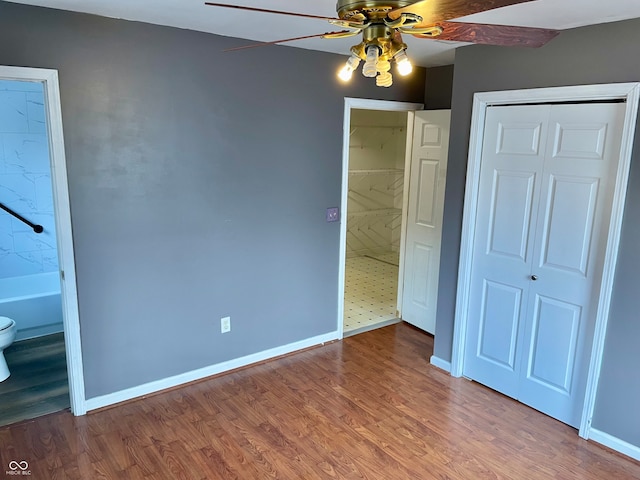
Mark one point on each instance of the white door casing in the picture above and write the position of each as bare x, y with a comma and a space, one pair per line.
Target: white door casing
629, 93
71, 319
428, 169
545, 194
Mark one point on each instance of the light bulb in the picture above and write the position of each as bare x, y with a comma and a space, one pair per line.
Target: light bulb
346, 72
383, 66
384, 79
403, 63
370, 65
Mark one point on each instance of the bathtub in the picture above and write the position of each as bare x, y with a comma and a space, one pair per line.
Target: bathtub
34, 302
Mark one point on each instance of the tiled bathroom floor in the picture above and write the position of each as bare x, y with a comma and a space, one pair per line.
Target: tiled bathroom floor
371, 289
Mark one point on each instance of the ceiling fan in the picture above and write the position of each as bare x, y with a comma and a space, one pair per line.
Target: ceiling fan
382, 23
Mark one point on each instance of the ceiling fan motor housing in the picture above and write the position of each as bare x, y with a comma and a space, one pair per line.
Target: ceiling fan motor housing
377, 32
369, 9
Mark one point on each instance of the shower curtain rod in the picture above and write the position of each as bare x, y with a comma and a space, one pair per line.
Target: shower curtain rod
36, 228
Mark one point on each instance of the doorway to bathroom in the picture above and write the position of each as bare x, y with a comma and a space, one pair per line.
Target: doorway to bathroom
37, 273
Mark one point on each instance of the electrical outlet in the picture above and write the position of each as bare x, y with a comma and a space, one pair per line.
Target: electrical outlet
225, 324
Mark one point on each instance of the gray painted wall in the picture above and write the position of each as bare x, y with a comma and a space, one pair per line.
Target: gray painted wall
599, 54
438, 88
198, 183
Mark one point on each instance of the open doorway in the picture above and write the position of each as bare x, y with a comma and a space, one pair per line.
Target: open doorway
373, 196
36, 251
393, 183
30, 292
374, 218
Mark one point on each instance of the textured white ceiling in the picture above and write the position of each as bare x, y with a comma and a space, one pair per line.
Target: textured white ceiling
195, 15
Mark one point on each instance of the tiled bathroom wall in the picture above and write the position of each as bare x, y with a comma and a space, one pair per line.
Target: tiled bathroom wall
25, 182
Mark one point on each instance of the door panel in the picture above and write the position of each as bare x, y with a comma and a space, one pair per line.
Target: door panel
511, 202
424, 218
422, 264
431, 134
553, 344
518, 138
574, 140
427, 193
569, 223
499, 324
545, 196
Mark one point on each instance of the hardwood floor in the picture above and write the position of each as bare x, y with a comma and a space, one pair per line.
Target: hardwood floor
369, 407
38, 384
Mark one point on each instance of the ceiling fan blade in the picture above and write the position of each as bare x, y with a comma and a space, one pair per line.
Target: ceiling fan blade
434, 11
274, 42
505, 35
264, 10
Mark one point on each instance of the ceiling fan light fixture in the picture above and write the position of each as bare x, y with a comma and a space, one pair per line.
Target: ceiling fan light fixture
382, 23
346, 72
403, 63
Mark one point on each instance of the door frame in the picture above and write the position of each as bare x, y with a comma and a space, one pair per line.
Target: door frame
62, 213
627, 92
365, 104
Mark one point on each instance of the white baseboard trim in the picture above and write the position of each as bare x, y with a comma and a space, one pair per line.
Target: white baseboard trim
614, 443
438, 362
39, 331
170, 382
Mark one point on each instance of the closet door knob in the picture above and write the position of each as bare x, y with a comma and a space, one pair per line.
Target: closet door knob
534, 277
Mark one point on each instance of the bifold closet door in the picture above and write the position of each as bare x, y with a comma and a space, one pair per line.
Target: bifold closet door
546, 186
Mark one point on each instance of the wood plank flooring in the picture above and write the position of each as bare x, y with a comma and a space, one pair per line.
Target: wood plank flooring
38, 384
368, 407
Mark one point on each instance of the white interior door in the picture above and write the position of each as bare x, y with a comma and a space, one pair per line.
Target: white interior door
424, 218
545, 196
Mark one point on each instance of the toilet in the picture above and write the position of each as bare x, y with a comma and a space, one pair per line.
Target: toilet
7, 336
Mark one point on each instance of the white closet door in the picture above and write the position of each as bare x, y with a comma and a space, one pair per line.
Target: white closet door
543, 215
424, 218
